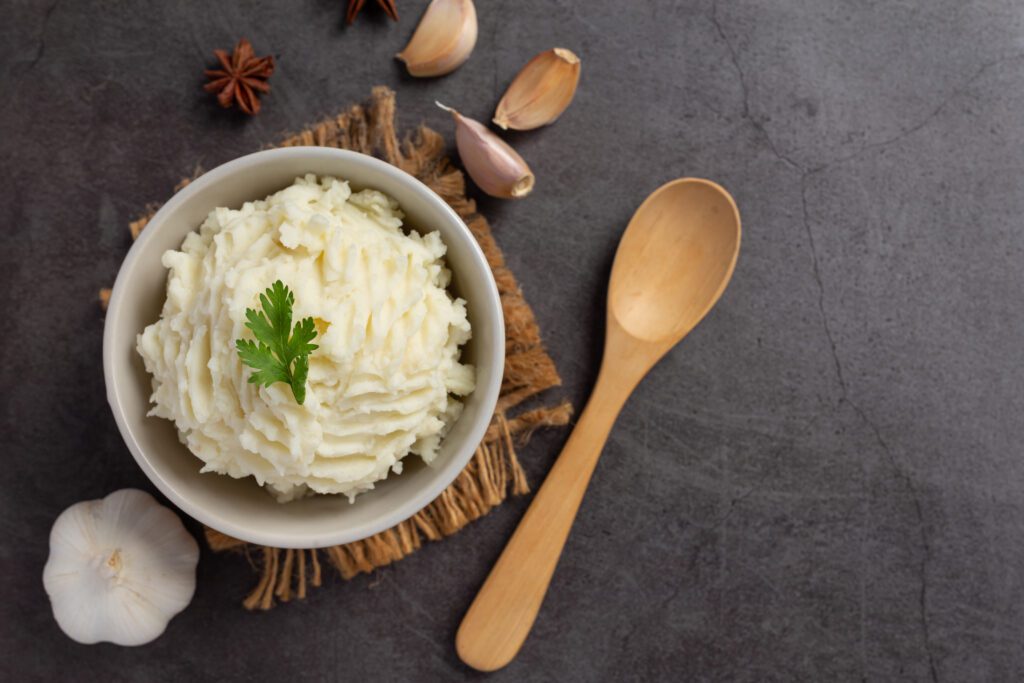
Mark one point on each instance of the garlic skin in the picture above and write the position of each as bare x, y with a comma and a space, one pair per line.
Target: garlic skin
119, 569
540, 92
493, 165
443, 40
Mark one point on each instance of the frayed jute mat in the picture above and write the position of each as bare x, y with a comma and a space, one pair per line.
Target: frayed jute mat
494, 471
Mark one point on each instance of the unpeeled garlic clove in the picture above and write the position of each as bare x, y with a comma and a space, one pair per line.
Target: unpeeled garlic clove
493, 165
540, 92
443, 40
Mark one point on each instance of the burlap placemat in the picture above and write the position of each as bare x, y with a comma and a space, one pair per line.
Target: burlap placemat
494, 471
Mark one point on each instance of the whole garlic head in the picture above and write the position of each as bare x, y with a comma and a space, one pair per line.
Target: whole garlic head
119, 569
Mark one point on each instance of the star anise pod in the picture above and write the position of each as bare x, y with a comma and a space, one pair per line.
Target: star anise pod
240, 77
355, 5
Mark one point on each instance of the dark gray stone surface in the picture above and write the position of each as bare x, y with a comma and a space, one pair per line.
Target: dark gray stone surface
824, 482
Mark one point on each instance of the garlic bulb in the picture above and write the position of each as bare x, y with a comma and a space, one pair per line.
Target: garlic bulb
495, 167
540, 92
443, 40
119, 569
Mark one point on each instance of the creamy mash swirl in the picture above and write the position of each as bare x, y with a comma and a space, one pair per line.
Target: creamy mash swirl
380, 383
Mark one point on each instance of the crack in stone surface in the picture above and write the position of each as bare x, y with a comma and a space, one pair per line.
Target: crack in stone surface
746, 112
816, 270
933, 114
745, 91
900, 470
41, 47
844, 393
908, 482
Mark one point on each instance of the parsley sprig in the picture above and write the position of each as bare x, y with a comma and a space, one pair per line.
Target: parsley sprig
278, 346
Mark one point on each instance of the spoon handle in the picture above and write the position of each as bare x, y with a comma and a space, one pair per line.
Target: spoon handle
503, 612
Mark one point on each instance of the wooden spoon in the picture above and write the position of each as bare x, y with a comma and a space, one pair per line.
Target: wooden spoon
672, 265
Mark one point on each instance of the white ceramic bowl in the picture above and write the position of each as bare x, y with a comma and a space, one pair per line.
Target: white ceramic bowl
239, 507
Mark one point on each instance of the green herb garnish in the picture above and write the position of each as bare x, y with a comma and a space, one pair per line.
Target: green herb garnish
277, 345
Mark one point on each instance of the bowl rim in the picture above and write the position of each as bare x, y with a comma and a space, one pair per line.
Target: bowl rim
448, 471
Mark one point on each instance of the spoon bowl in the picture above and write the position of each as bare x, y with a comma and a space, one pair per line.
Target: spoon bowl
673, 263
674, 260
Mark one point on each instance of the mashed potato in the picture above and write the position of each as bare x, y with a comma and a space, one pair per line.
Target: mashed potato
381, 382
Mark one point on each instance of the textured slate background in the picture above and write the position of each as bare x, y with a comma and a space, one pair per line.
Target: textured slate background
824, 482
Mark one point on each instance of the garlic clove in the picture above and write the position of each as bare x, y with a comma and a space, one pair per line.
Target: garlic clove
493, 165
540, 92
119, 569
443, 40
